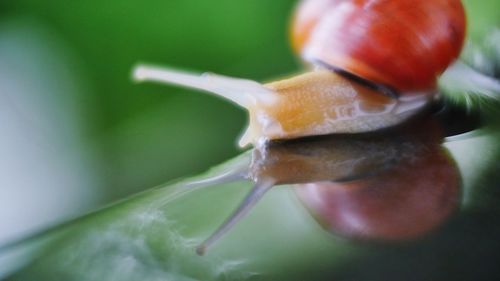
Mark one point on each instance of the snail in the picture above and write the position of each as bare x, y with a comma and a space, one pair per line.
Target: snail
374, 64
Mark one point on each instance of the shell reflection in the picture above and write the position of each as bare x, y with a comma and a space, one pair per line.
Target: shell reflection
404, 202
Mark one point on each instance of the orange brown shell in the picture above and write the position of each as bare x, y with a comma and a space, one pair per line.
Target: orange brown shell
405, 44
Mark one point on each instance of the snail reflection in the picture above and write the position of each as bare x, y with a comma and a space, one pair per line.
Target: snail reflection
393, 184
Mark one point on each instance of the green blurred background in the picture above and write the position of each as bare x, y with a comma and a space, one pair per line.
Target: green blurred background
77, 133
68, 64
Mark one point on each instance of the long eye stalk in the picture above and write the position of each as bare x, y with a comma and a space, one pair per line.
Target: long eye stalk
245, 93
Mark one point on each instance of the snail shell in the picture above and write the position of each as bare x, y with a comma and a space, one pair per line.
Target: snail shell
405, 44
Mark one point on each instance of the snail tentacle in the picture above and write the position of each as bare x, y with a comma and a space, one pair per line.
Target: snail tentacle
245, 93
463, 80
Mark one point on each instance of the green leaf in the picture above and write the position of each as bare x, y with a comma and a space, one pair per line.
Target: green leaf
152, 236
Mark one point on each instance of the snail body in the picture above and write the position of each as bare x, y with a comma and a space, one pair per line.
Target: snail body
376, 66
322, 102
314, 103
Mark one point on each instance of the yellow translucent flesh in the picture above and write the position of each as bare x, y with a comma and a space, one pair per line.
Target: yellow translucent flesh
323, 102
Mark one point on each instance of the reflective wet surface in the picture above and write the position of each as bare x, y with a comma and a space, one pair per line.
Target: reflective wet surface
405, 203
